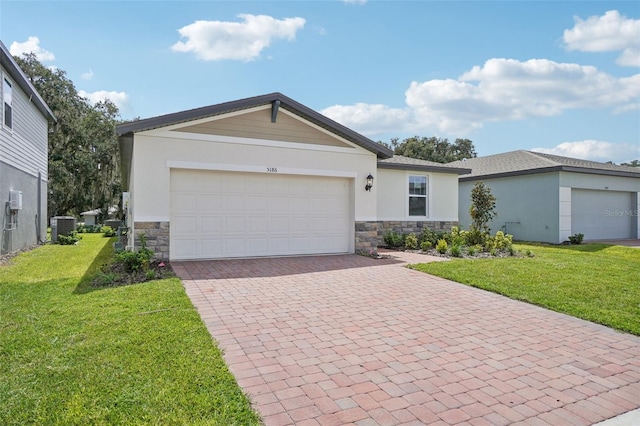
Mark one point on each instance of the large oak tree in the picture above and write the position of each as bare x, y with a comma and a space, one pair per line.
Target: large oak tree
83, 147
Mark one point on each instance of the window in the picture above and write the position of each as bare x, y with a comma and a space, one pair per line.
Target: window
417, 196
7, 97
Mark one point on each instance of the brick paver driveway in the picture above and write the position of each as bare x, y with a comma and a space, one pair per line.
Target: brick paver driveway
333, 340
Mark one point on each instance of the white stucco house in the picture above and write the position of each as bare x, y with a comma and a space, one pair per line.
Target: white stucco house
547, 198
24, 127
268, 176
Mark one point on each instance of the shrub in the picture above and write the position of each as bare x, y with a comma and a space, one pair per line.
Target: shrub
442, 246
393, 240
576, 238
476, 236
411, 241
456, 251
471, 251
426, 245
108, 231
483, 207
135, 261
69, 239
502, 241
458, 237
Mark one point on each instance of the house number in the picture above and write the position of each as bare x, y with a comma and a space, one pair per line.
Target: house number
272, 170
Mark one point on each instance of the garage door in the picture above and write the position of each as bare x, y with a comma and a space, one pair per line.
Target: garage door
602, 214
228, 214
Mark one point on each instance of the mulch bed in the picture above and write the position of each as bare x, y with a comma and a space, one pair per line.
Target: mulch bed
114, 274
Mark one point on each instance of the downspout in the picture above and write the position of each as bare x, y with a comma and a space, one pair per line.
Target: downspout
39, 212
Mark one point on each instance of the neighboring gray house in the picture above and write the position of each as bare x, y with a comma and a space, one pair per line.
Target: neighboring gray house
547, 198
24, 125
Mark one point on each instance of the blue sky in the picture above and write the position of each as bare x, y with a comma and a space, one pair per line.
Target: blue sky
560, 77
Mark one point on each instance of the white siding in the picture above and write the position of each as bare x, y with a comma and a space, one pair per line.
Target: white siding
25, 146
155, 151
392, 191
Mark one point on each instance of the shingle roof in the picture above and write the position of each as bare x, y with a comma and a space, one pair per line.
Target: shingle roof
23, 82
227, 107
407, 163
528, 162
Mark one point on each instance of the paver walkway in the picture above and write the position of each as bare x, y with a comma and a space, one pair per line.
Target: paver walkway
334, 340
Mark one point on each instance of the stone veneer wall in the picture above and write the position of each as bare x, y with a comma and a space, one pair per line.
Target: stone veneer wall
366, 237
157, 234
406, 227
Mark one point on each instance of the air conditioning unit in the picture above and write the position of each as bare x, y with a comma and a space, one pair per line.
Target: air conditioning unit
15, 200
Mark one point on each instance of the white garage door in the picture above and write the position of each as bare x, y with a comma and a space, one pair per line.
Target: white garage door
229, 214
602, 214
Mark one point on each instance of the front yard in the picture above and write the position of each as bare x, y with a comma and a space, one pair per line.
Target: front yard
595, 282
74, 354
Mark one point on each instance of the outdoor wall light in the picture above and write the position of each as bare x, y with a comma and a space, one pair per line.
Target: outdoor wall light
369, 184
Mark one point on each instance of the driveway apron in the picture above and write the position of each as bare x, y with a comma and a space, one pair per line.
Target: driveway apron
334, 340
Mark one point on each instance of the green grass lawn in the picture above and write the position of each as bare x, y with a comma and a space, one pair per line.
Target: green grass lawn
74, 354
595, 282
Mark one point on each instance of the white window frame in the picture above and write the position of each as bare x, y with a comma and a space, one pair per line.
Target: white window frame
425, 196
11, 84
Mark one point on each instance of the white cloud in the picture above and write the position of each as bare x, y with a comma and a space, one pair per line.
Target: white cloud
375, 118
121, 99
218, 40
595, 151
87, 75
607, 33
32, 45
500, 90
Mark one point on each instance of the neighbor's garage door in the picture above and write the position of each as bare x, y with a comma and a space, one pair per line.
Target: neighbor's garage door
602, 214
229, 214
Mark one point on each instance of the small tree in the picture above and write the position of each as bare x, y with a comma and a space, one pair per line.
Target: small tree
483, 208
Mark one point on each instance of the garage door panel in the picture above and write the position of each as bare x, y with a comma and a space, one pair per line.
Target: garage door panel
250, 214
234, 225
209, 202
185, 202
185, 248
185, 224
210, 224
591, 214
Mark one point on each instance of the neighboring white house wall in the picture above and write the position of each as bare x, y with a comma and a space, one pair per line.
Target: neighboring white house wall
392, 189
24, 146
565, 213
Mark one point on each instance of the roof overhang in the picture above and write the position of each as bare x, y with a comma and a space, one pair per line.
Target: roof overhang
570, 169
424, 168
20, 78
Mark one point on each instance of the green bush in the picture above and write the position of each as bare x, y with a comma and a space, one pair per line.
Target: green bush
108, 231
576, 238
411, 242
135, 261
471, 251
88, 229
69, 239
456, 251
442, 246
476, 236
426, 245
433, 236
393, 240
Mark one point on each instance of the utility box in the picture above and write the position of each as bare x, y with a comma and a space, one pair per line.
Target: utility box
62, 225
15, 200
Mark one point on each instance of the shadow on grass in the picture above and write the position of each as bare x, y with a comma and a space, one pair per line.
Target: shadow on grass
584, 248
105, 256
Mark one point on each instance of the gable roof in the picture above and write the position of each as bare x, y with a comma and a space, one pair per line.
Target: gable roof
20, 78
522, 162
276, 98
400, 162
